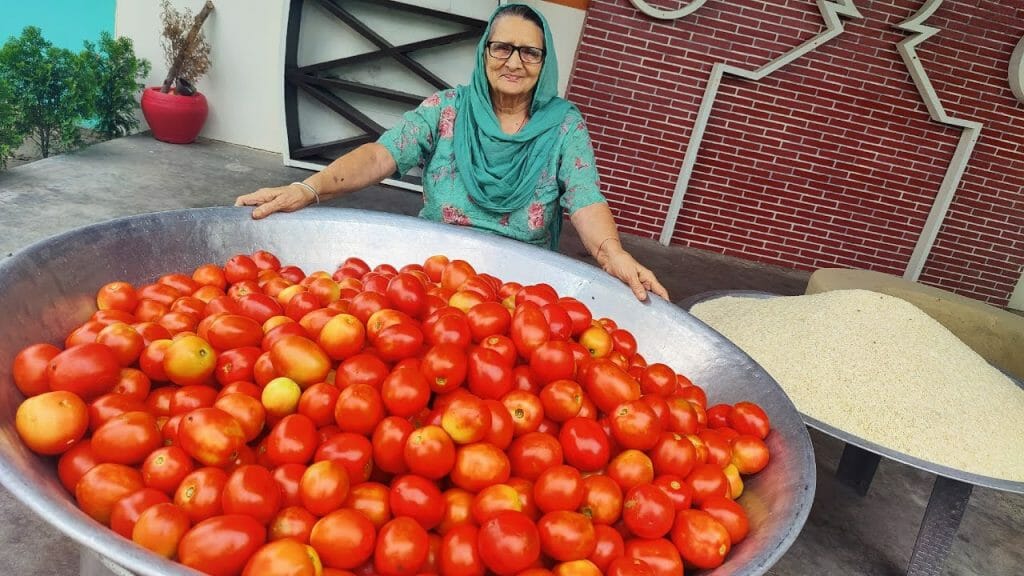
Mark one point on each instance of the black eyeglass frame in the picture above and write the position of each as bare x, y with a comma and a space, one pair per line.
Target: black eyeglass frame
515, 49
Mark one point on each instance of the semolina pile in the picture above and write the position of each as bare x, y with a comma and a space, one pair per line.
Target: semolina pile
879, 368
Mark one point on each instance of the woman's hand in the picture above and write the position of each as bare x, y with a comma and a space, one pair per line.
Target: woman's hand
621, 264
281, 199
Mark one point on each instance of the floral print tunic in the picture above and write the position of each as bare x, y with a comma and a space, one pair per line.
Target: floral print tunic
424, 138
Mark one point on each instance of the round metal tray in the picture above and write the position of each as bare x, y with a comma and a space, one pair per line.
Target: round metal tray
938, 469
49, 287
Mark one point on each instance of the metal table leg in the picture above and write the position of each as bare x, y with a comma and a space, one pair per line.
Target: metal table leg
942, 517
857, 468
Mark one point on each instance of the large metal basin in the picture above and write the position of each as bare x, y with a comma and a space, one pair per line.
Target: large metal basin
48, 288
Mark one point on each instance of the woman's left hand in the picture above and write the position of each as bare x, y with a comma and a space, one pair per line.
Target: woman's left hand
640, 280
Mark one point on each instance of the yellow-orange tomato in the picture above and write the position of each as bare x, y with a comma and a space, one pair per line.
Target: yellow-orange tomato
300, 359
284, 557
597, 341
189, 360
342, 336
52, 422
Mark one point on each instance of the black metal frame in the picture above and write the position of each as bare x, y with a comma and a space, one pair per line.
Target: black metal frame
313, 79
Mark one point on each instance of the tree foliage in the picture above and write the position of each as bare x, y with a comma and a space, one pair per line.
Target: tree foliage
10, 136
52, 88
118, 77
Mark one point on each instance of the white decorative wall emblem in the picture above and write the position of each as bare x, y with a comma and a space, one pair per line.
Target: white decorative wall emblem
1017, 71
667, 14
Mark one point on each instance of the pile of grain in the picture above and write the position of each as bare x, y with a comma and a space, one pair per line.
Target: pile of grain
879, 368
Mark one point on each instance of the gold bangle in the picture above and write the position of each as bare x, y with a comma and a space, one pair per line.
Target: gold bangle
310, 188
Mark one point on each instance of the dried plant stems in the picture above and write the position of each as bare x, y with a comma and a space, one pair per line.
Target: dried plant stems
189, 56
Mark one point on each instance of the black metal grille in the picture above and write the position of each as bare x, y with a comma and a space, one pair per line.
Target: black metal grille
319, 81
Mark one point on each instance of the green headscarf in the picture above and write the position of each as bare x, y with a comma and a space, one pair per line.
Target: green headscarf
501, 170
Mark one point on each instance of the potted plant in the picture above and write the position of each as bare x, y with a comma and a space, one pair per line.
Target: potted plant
175, 111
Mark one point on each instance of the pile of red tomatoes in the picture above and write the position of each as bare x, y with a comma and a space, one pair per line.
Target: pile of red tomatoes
249, 418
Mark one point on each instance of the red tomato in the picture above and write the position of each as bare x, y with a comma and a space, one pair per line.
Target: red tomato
288, 477
502, 427
749, 418
402, 546
292, 440
361, 369
191, 397
566, 536
558, 321
608, 546
648, 511
133, 383
52, 422
160, 529
317, 402
352, 450
444, 366
358, 409
127, 438
488, 319
460, 506
508, 543
74, 463
629, 567
30, 368
561, 399
128, 509
430, 452
634, 424
730, 514
230, 331
584, 444
324, 487
88, 370
658, 379
552, 360
661, 555
489, 375
405, 391
460, 555
116, 296
252, 490
284, 557
529, 328
418, 498
539, 294
102, 486
609, 386
199, 494
389, 438
631, 468
532, 453
246, 410
211, 436
682, 416
679, 492
293, 522
701, 540
602, 499
558, 488
673, 454
373, 500
165, 468
707, 480
344, 539
478, 466
221, 545
526, 410
491, 500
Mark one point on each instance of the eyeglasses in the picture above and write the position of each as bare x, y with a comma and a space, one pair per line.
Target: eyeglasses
503, 51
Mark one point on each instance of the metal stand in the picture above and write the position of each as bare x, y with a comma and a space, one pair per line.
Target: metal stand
857, 468
942, 517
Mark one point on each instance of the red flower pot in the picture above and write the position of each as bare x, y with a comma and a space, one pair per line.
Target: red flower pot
173, 118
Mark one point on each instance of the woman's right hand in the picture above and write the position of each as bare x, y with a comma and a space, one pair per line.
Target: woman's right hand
281, 199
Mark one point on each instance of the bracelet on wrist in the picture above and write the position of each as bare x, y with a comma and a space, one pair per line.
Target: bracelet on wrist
308, 187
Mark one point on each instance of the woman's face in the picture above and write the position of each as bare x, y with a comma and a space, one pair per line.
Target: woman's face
512, 77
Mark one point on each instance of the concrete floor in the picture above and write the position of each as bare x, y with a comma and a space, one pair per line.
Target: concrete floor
845, 533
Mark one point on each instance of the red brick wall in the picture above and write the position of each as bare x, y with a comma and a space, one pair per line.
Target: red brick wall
832, 160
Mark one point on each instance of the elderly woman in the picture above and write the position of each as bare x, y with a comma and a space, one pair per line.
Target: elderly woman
504, 154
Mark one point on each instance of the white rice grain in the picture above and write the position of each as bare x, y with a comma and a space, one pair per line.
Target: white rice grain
879, 368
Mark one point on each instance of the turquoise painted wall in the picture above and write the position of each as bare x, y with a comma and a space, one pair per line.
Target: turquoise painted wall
65, 23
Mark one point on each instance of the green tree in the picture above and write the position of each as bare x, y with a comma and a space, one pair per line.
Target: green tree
10, 137
118, 77
52, 90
